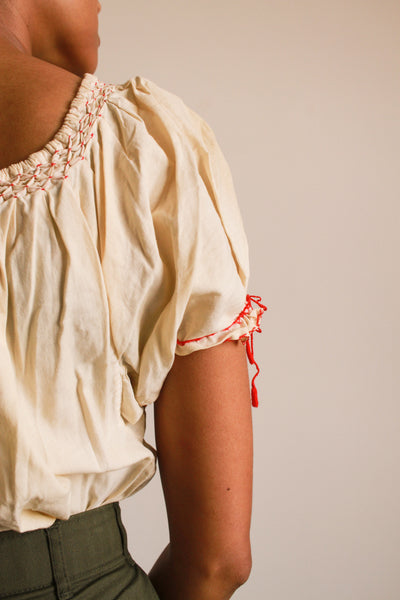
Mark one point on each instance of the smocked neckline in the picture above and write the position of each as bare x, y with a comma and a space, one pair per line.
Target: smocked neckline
69, 126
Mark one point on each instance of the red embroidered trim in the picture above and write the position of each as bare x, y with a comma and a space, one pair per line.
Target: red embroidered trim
247, 338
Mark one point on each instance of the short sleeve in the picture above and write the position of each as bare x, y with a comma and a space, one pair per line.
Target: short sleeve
198, 294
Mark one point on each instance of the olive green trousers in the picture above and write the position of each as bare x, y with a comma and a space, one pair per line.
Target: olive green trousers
85, 557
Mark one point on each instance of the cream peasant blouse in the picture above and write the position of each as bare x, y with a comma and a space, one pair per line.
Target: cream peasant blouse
121, 245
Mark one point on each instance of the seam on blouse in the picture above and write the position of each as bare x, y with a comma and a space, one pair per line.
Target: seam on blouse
61, 160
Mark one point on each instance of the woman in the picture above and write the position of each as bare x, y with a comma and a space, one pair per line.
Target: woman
124, 269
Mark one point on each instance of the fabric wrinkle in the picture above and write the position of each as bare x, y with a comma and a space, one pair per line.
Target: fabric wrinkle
122, 246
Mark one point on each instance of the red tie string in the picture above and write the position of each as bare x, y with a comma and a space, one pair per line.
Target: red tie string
250, 346
247, 338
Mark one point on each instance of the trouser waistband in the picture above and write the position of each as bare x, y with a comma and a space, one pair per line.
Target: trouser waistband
64, 553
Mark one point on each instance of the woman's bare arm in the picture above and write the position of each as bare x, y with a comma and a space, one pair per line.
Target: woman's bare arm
204, 438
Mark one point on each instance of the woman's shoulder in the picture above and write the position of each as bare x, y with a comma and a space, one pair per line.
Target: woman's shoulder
168, 117
34, 99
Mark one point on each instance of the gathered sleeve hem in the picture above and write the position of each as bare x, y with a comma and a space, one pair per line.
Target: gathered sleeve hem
242, 328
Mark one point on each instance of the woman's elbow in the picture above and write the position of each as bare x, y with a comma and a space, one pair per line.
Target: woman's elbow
231, 566
239, 571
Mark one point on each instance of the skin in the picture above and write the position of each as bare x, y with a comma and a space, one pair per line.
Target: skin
60, 32
203, 416
46, 47
203, 427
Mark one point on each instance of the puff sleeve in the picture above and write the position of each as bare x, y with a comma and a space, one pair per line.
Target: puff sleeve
198, 294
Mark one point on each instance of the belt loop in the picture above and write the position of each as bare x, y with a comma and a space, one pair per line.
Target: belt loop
54, 538
123, 533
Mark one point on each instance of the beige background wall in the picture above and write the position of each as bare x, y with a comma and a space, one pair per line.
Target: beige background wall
304, 99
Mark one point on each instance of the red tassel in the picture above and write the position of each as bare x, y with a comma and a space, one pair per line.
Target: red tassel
250, 356
250, 348
245, 339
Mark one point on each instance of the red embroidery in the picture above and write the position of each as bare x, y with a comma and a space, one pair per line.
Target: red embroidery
247, 338
35, 178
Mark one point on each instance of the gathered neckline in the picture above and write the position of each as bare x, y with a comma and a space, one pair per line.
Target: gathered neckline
52, 162
69, 125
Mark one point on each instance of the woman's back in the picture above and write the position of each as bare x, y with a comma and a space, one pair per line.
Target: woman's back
110, 235
34, 99
138, 259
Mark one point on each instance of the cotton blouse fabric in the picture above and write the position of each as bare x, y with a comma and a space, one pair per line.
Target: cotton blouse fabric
121, 245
